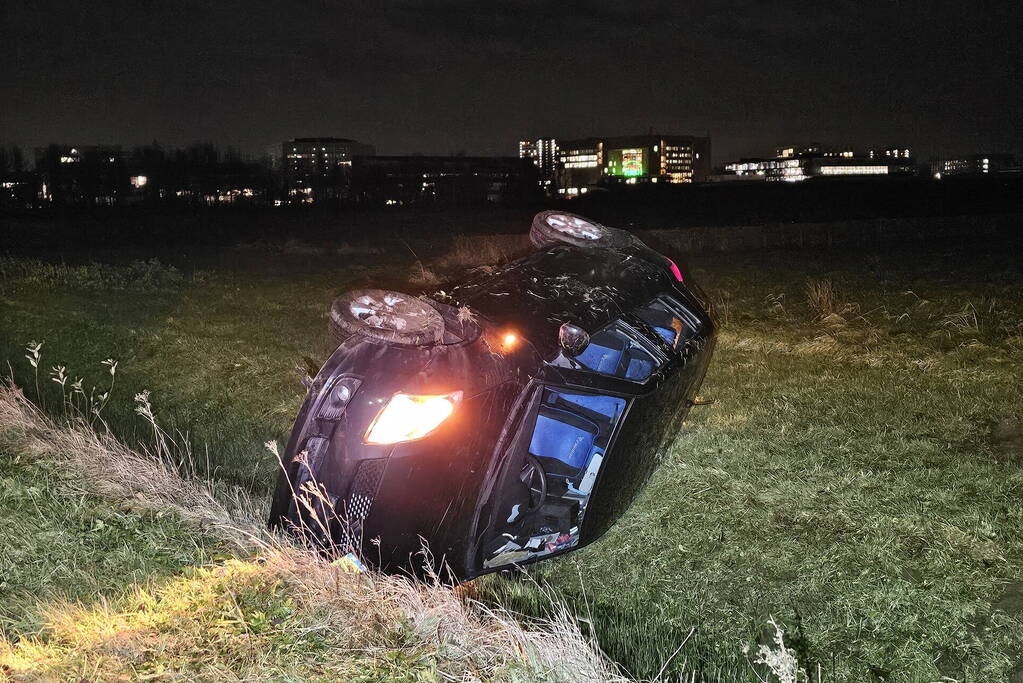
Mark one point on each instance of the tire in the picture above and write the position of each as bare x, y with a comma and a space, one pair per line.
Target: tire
561, 227
387, 315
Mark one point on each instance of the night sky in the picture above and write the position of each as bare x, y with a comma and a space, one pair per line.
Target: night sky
446, 77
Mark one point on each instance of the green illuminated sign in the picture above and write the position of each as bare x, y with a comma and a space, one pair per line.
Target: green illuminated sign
627, 162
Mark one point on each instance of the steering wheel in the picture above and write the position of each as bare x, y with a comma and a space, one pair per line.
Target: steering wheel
533, 476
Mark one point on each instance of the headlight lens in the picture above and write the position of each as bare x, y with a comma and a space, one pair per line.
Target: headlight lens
407, 417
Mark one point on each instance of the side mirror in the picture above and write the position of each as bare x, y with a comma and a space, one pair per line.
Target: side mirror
573, 339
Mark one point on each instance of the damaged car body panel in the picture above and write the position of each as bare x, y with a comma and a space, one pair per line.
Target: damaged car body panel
557, 384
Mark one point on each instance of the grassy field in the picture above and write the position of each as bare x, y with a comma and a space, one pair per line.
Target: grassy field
59, 545
117, 568
857, 476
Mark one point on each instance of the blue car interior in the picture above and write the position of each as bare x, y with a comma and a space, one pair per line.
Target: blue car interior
569, 433
569, 429
612, 352
569, 436
558, 440
616, 351
608, 406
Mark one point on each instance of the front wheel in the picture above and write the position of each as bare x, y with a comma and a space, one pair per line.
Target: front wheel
384, 314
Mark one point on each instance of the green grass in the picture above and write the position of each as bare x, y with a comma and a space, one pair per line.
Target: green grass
91, 591
125, 587
857, 478
56, 545
220, 349
234, 621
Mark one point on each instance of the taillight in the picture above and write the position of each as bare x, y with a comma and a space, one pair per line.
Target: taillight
675, 270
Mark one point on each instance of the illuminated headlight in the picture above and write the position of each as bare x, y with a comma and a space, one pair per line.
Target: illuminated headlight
407, 417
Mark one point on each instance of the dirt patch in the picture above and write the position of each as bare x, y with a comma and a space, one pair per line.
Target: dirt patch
1007, 438
1011, 603
1011, 600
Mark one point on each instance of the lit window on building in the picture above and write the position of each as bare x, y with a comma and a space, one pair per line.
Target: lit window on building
853, 170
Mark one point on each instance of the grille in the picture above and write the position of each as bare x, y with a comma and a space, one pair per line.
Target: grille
359, 501
364, 489
358, 507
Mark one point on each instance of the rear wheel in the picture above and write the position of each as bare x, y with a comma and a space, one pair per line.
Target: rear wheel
561, 227
384, 314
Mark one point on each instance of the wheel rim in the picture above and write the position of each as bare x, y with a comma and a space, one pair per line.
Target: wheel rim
390, 311
574, 226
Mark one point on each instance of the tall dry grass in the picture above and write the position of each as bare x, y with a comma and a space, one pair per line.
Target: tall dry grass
822, 298
482, 250
471, 641
105, 466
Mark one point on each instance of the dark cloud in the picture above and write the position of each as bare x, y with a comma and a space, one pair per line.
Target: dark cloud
448, 75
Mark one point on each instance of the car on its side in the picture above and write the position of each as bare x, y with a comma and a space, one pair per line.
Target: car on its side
510, 419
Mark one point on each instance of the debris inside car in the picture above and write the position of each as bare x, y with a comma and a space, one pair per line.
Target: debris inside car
511, 419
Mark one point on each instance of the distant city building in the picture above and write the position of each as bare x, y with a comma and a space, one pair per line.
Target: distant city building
812, 149
973, 164
543, 152
794, 163
317, 156
79, 155
20, 189
319, 168
801, 168
631, 159
580, 165
889, 154
443, 180
82, 174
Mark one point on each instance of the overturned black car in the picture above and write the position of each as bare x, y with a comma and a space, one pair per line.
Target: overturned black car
510, 419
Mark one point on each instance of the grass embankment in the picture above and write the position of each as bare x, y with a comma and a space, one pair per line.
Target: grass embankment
125, 587
857, 477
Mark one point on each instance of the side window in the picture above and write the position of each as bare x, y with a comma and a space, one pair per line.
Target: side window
541, 510
611, 352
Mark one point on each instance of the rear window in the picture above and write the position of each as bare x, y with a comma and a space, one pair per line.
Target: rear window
670, 320
662, 320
